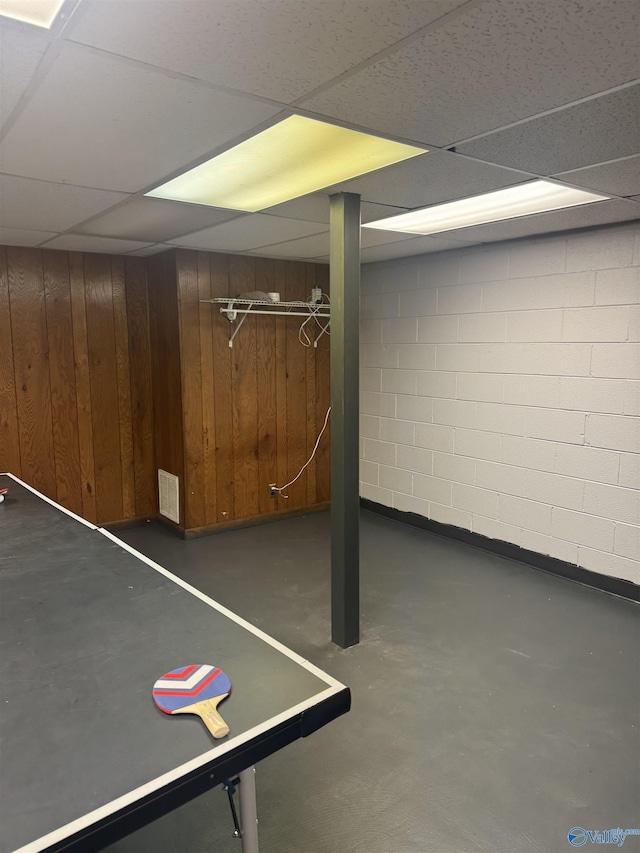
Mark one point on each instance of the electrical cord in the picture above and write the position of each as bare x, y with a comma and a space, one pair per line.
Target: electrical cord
313, 453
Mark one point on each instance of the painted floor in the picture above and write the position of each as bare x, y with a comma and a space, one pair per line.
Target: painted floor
495, 707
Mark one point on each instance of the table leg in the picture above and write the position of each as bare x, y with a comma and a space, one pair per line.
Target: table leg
248, 810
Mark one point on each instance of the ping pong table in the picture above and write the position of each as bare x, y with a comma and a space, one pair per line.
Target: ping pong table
87, 625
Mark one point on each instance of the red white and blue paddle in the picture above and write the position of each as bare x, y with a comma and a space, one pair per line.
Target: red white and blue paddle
194, 689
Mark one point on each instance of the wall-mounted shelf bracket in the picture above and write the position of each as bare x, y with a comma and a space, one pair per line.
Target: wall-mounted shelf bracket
235, 308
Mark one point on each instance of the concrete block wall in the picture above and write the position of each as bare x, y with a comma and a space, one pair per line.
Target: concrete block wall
500, 392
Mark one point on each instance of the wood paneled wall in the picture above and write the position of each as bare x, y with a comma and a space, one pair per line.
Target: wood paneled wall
251, 413
104, 379
75, 380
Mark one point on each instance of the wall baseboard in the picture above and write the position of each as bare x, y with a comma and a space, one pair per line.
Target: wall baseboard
235, 524
127, 522
569, 571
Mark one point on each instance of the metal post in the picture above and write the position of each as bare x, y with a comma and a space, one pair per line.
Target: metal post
345, 406
248, 810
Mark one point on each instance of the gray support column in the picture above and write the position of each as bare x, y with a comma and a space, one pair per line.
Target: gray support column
345, 407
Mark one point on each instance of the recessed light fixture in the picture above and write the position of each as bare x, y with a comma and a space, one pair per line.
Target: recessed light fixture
522, 200
292, 158
41, 13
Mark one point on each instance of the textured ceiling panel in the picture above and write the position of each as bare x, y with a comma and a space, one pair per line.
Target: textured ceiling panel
82, 243
155, 220
430, 179
102, 122
318, 244
249, 232
278, 49
48, 207
304, 249
499, 63
21, 50
152, 250
620, 178
23, 237
600, 129
408, 248
315, 208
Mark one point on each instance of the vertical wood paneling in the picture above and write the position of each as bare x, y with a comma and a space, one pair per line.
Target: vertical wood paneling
104, 386
295, 288
207, 378
64, 413
83, 387
75, 390
31, 364
9, 443
140, 378
244, 398
110, 368
192, 414
165, 368
266, 385
121, 331
219, 268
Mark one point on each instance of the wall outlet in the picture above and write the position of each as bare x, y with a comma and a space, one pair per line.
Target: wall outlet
272, 490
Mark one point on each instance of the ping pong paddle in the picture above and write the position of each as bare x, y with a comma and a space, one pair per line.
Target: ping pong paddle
3, 492
194, 689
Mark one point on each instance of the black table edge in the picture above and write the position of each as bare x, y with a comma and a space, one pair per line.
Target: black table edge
123, 821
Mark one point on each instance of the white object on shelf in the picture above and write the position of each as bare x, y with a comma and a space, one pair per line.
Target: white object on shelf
234, 307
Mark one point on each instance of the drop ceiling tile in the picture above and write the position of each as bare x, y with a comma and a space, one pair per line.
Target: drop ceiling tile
152, 250
603, 128
99, 121
303, 249
435, 177
619, 178
315, 208
498, 63
374, 237
23, 237
280, 49
249, 232
155, 220
408, 248
21, 50
318, 244
102, 245
600, 213
44, 206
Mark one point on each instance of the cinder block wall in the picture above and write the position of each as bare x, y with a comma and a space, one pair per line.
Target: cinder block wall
500, 393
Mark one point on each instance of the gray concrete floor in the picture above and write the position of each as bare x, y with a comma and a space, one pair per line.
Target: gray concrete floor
494, 706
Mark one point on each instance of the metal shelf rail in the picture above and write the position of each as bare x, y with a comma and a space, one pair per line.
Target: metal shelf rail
243, 307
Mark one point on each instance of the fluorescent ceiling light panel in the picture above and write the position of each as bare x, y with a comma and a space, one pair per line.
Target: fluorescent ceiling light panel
521, 200
292, 158
42, 13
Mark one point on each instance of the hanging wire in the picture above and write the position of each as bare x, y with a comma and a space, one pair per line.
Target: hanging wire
313, 453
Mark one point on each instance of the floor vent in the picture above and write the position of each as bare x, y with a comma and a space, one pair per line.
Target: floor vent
169, 495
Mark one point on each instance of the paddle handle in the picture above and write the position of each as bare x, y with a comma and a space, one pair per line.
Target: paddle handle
208, 713
212, 719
